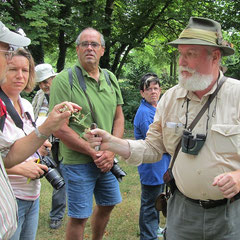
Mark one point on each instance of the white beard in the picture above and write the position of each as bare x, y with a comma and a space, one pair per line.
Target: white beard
197, 82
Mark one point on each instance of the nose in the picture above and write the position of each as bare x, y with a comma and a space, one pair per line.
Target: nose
182, 60
89, 46
19, 73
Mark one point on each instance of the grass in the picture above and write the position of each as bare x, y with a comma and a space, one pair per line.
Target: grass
123, 224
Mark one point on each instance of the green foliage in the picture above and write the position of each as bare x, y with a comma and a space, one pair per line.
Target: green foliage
29, 96
53, 26
131, 98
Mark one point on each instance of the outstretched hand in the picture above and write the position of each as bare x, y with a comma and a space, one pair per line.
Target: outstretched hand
98, 137
106, 141
58, 116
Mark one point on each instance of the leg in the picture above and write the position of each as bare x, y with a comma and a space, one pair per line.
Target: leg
106, 198
75, 229
187, 220
100, 218
58, 206
28, 220
149, 216
80, 182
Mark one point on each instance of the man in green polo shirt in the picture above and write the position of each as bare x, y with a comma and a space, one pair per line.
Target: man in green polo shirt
87, 171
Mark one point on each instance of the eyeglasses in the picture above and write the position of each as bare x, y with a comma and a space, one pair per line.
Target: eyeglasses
94, 45
8, 54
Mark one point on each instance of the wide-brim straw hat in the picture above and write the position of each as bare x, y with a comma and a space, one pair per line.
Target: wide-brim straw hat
43, 72
203, 31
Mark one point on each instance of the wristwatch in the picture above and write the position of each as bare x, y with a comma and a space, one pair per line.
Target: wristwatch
40, 135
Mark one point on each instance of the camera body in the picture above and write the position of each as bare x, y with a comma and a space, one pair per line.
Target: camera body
52, 175
192, 144
117, 171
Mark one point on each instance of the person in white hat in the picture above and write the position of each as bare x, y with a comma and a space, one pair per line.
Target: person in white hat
44, 76
205, 203
20, 149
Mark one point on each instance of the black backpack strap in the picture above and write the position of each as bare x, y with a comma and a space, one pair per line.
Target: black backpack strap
82, 84
107, 77
80, 78
70, 77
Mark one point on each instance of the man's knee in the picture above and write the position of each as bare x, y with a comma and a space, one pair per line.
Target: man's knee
78, 221
104, 210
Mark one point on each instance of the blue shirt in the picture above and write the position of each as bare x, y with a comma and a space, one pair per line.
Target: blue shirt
150, 173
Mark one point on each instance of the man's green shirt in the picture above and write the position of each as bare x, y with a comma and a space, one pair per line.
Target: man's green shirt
104, 100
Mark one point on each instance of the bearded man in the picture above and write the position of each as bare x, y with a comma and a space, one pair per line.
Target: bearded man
205, 204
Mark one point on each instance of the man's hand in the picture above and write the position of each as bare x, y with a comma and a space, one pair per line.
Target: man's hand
45, 148
106, 141
98, 137
228, 183
104, 160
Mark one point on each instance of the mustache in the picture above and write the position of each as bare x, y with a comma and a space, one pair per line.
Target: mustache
190, 70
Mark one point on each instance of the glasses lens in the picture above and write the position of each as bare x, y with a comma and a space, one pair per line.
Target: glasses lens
8, 54
94, 45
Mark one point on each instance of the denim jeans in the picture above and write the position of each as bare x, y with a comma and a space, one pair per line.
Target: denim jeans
28, 213
149, 216
58, 201
85, 180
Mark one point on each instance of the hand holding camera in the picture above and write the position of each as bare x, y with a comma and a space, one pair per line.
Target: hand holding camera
52, 175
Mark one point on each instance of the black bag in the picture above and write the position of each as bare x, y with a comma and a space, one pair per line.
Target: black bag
54, 150
161, 203
161, 200
169, 180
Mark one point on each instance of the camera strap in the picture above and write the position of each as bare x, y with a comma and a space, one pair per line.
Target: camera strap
14, 114
198, 117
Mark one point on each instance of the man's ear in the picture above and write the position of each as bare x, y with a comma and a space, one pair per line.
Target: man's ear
103, 50
216, 55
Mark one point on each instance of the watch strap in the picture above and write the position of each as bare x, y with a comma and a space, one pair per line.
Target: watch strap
40, 135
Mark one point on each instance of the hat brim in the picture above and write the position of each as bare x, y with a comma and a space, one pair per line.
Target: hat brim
45, 77
15, 39
226, 51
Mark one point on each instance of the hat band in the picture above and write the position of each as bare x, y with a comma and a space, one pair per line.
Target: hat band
199, 34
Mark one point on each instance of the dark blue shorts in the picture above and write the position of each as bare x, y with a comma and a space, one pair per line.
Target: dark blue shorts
84, 180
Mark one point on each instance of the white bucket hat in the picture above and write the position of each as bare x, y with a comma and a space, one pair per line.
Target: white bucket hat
12, 38
44, 71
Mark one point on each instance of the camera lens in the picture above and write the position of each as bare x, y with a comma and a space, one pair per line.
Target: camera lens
117, 172
54, 177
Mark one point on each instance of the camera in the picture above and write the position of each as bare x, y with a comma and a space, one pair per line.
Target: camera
52, 175
117, 171
190, 144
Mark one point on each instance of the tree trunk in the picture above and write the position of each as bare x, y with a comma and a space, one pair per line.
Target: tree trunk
62, 51
37, 53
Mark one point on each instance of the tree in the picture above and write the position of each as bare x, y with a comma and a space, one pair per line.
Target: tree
53, 25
